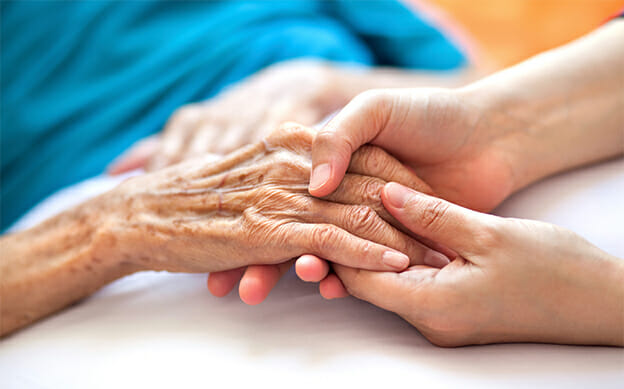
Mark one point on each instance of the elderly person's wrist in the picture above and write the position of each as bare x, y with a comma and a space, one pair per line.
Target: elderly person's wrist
58, 262
111, 240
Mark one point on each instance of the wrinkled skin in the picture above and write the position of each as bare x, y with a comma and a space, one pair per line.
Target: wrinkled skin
445, 138
448, 140
248, 208
511, 280
252, 207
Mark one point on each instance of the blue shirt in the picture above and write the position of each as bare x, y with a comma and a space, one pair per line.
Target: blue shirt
82, 81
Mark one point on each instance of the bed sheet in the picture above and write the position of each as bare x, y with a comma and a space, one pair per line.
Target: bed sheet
165, 330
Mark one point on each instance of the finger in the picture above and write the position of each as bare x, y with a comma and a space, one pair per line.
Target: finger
356, 189
259, 280
365, 223
311, 268
177, 135
221, 283
356, 124
361, 190
136, 157
202, 141
395, 292
340, 246
436, 219
331, 288
373, 161
232, 137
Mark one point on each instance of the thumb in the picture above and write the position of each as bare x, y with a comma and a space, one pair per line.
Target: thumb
392, 291
438, 220
356, 124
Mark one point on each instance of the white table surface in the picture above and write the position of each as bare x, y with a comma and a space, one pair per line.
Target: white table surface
165, 330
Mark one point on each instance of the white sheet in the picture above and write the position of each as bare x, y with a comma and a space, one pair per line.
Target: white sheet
166, 330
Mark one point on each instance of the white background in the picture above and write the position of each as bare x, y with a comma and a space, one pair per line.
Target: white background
165, 330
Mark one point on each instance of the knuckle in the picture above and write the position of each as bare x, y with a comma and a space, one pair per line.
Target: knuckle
324, 236
290, 135
290, 129
371, 190
364, 218
183, 117
367, 158
433, 216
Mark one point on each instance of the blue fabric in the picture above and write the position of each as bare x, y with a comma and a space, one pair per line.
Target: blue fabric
82, 81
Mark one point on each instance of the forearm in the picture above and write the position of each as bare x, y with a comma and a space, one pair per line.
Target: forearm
560, 109
55, 264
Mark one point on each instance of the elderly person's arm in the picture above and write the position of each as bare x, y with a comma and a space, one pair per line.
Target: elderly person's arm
251, 207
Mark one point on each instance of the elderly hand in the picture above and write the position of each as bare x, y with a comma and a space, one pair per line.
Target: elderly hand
513, 280
252, 207
451, 145
462, 151
369, 169
300, 91
304, 91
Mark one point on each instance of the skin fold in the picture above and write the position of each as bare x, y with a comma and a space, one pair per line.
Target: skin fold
250, 207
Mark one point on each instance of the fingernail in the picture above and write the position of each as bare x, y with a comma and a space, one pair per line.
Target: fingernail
435, 259
320, 175
396, 260
397, 194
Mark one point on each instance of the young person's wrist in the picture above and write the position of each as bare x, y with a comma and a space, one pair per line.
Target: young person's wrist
525, 130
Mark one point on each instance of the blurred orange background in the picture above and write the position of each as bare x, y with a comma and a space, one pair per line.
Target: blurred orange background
508, 31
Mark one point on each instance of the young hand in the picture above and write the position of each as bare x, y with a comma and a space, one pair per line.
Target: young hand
512, 280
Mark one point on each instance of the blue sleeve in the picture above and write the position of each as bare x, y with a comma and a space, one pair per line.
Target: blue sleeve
82, 81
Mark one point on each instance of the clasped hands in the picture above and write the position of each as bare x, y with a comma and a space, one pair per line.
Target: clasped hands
473, 278
458, 275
